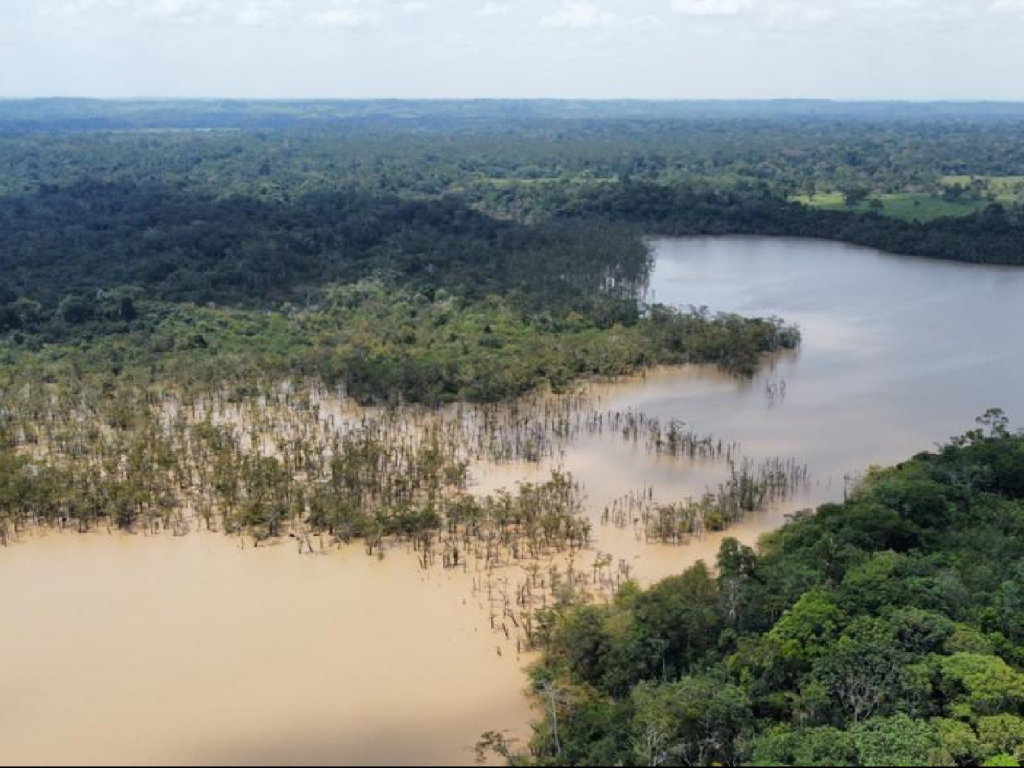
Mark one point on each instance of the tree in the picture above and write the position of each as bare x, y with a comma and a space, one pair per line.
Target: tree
1000, 735
854, 196
583, 642
981, 685
697, 721
76, 309
997, 422
785, 745
897, 741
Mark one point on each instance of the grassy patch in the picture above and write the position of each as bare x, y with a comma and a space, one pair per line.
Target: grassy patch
1006, 189
907, 206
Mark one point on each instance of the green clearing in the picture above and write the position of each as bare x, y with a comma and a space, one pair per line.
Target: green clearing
1006, 189
907, 206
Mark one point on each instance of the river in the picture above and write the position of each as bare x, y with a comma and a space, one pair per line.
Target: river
136, 649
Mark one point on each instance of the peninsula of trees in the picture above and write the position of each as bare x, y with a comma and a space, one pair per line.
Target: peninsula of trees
888, 630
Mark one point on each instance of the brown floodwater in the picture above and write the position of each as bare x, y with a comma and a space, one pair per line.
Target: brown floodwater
155, 649
136, 649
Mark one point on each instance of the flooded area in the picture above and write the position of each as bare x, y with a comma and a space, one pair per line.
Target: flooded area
899, 354
192, 649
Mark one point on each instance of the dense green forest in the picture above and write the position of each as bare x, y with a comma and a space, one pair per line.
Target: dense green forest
394, 299
886, 630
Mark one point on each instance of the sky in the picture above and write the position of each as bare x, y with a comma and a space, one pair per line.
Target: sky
649, 49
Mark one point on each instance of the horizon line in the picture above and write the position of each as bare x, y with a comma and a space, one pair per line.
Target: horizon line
583, 99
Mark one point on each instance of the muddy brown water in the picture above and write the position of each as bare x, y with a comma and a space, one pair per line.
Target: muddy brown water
155, 649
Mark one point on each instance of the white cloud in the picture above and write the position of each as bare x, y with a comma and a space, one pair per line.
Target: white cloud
1007, 6
344, 13
577, 15
76, 8
707, 8
891, 5
645, 23
796, 15
416, 6
263, 13
177, 11
493, 9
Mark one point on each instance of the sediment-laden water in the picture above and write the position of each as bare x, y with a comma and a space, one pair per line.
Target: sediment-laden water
195, 649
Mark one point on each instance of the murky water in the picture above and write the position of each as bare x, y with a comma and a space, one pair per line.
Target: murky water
155, 649
898, 355
191, 650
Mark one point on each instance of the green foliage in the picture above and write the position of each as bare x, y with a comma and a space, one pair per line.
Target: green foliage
908, 206
1002, 760
783, 745
897, 741
522, 244
696, 721
387, 344
959, 740
1001, 735
981, 685
873, 657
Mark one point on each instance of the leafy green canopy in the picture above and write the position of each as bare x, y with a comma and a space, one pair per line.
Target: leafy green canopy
385, 344
884, 631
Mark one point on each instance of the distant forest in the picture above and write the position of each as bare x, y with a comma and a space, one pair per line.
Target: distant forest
123, 222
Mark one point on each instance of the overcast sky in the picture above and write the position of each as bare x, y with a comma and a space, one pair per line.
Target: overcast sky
665, 49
